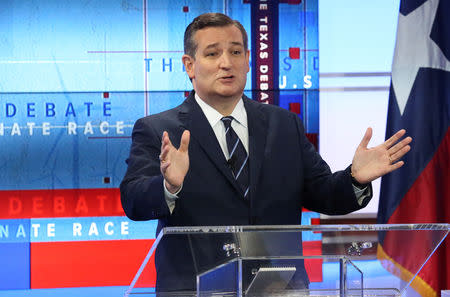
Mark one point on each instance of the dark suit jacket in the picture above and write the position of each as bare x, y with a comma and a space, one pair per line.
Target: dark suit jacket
286, 174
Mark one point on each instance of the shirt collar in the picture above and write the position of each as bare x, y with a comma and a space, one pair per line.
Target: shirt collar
213, 116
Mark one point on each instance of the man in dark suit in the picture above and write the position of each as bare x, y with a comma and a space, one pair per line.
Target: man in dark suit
185, 169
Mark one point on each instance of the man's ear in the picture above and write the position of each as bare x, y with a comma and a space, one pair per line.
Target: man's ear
188, 63
247, 60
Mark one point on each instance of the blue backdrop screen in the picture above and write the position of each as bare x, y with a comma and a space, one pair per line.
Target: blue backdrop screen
74, 77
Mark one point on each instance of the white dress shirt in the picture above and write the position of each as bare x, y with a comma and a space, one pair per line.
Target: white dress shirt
239, 124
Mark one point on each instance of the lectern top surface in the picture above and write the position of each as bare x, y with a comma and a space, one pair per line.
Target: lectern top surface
301, 228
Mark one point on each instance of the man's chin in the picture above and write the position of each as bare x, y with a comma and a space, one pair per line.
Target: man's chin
230, 93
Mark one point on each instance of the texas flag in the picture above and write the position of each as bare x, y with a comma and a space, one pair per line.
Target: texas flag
419, 102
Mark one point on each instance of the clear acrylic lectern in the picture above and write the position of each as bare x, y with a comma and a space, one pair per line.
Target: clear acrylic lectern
345, 260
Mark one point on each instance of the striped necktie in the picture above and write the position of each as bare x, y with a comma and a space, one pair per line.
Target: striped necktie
238, 157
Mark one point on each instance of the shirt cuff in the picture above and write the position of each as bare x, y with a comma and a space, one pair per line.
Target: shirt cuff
170, 198
361, 194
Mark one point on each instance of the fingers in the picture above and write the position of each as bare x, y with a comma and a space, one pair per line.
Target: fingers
401, 148
396, 150
185, 141
394, 138
395, 166
166, 145
400, 153
165, 148
367, 136
164, 165
165, 141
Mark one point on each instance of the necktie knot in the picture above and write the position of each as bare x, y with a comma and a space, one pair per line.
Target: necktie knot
227, 121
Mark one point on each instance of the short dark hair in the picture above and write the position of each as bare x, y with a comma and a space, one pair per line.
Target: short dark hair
209, 20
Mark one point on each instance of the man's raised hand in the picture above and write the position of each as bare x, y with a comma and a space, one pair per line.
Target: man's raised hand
371, 163
174, 163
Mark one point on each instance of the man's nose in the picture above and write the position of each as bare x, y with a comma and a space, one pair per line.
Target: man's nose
225, 61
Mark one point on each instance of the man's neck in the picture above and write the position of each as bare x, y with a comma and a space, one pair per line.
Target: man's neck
224, 105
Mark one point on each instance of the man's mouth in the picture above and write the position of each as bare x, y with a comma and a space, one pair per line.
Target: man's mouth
229, 77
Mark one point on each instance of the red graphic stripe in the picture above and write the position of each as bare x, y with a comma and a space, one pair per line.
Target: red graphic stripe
313, 266
90, 263
21, 204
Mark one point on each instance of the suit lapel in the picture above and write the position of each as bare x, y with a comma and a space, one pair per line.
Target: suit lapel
257, 133
193, 119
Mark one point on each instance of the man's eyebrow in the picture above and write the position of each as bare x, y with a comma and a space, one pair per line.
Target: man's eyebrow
216, 44
236, 43
212, 45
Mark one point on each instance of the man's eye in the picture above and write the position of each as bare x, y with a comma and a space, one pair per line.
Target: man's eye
236, 52
211, 54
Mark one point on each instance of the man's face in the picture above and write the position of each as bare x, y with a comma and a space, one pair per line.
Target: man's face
219, 69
